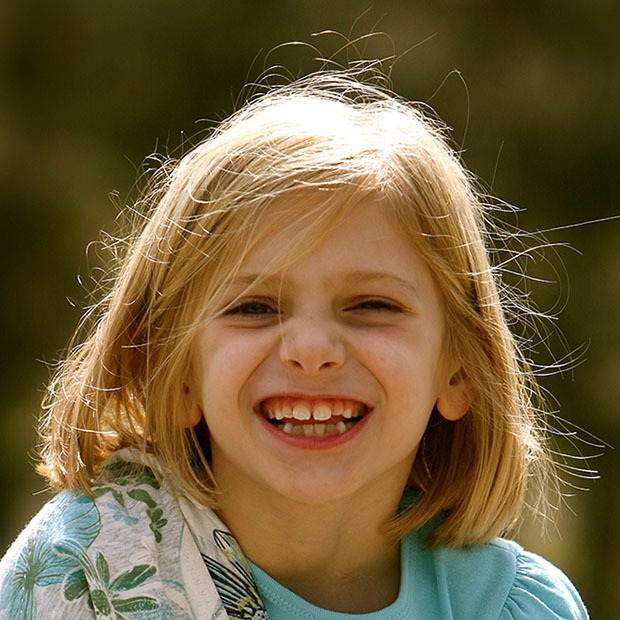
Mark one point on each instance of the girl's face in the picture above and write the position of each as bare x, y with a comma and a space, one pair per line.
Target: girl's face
317, 385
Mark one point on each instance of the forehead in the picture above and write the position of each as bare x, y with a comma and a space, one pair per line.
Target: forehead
358, 240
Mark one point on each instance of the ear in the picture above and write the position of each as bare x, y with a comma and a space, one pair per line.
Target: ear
456, 397
192, 412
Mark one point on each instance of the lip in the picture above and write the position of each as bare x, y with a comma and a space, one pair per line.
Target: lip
314, 442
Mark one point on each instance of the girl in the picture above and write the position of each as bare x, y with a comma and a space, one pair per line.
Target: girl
300, 398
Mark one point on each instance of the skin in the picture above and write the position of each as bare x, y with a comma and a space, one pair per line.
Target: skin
359, 319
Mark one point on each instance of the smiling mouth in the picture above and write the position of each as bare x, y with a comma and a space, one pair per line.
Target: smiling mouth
320, 418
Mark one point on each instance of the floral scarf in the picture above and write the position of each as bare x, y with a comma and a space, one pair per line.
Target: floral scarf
133, 550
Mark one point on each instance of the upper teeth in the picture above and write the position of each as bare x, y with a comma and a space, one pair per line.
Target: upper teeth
305, 410
300, 412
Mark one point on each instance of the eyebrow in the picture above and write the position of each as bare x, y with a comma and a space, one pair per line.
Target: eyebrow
357, 277
363, 276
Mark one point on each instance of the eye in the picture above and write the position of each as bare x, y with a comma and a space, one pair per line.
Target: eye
252, 307
377, 305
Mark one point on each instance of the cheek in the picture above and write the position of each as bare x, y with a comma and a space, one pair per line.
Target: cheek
401, 352
221, 366
411, 373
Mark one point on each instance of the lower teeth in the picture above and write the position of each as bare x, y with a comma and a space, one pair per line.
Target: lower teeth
316, 430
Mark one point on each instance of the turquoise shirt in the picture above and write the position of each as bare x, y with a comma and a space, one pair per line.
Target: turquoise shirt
498, 580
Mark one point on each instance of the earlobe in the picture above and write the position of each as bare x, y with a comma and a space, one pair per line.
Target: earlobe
192, 413
456, 398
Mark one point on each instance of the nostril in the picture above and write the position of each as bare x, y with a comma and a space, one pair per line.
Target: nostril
312, 366
312, 352
329, 364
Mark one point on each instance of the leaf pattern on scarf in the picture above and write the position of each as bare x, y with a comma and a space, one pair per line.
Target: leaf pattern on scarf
71, 517
57, 550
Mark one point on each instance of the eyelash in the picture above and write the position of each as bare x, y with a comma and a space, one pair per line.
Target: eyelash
379, 305
261, 307
243, 308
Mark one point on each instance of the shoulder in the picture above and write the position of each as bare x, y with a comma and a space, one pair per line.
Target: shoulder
114, 551
500, 580
539, 589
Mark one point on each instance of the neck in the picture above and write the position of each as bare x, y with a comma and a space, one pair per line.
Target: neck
334, 555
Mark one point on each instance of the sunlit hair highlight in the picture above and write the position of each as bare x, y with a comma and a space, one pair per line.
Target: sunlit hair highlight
338, 141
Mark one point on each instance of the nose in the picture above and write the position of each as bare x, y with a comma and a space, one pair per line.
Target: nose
312, 345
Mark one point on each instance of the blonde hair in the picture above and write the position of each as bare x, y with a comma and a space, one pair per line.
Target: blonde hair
343, 140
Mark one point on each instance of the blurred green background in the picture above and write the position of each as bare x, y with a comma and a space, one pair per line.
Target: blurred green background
89, 88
